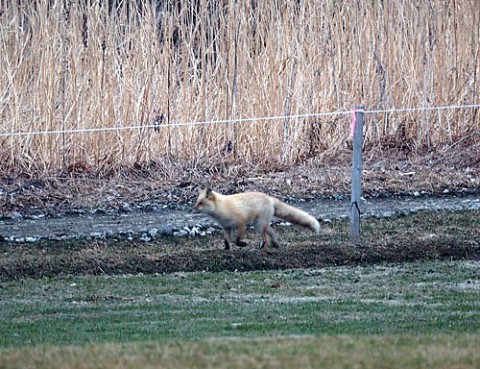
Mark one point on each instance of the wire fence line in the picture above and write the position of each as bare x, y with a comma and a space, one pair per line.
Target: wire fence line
240, 120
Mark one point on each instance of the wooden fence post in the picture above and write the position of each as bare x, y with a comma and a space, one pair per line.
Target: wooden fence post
357, 132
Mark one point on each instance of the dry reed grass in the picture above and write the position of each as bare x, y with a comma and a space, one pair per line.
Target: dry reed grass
67, 65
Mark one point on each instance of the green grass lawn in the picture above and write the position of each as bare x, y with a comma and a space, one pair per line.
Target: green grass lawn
418, 309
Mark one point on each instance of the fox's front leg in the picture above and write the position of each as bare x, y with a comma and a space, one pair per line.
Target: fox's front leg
241, 230
227, 232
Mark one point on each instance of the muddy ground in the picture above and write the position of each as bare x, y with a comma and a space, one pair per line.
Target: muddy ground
424, 235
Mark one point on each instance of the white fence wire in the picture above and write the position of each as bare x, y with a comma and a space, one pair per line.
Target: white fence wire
238, 120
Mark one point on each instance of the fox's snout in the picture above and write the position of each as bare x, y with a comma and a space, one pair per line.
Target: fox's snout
197, 208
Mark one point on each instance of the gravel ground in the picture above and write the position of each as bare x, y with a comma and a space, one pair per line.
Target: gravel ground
146, 225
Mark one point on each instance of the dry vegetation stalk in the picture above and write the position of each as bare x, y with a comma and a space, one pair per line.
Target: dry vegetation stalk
68, 65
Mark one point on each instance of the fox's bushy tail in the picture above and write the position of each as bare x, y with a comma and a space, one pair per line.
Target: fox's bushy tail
296, 216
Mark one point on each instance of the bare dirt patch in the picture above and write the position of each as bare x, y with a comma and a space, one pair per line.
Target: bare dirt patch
425, 236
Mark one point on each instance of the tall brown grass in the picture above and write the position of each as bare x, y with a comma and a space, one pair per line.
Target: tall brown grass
67, 65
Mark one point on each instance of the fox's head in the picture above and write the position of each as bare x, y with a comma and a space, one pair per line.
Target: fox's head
206, 201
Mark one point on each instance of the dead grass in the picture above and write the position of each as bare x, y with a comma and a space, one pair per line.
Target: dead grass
80, 65
455, 169
308, 352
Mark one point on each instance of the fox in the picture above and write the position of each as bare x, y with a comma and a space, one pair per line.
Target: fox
234, 212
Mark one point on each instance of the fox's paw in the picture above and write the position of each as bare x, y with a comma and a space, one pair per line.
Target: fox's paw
241, 243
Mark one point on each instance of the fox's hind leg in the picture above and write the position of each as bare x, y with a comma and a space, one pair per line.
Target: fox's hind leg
269, 237
267, 233
273, 237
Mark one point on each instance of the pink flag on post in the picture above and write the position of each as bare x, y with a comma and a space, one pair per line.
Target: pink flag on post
354, 123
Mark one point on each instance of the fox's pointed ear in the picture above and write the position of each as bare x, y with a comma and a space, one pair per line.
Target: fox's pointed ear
205, 190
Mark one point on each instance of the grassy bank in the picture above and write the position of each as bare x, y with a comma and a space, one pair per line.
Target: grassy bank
424, 298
